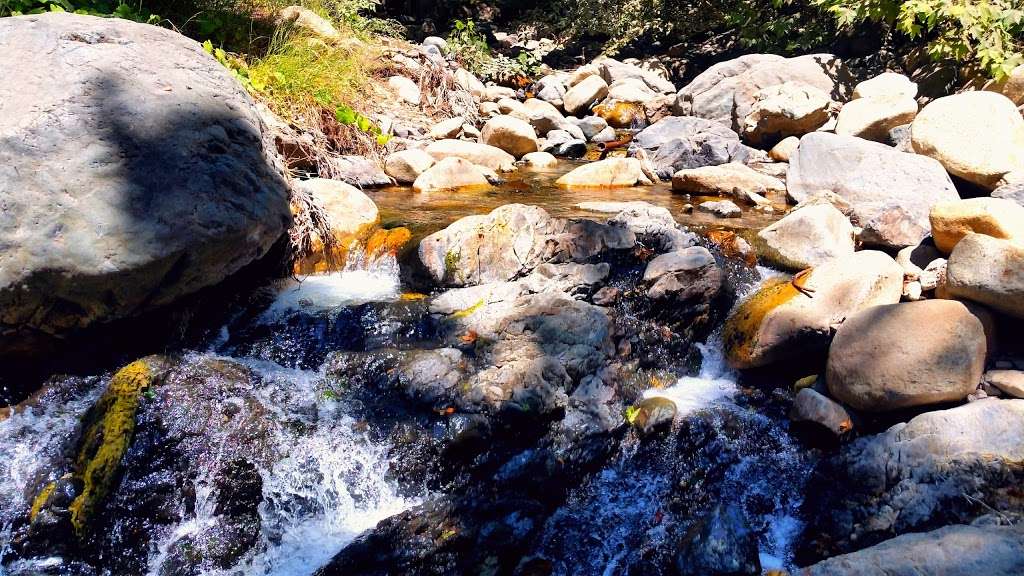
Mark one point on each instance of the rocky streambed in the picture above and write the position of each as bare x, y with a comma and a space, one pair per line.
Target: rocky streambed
508, 364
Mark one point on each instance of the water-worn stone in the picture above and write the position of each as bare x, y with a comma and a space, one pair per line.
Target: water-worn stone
957, 550
622, 114
721, 209
307, 21
942, 467
352, 217
451, 174
607, 173
582, 96
511, 240
989, 271
731, 179
995, 217
470, 83
782, 151
653, 414
406, 89
978, 136
481, 154
630, 90
509, 134
806, 237
872, 118
811, 406
540, 160
683, 274
1010, 382
787, 109
449, 128
779, 321
891, 192
726, 91
886, 85
406, 165
678, 143
590, 125
155, 179
906, 355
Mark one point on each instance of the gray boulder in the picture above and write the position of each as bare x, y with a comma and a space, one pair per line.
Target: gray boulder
678, 143
951, 551
891, 192
513, 240
726, 92
806, 237
155, 179
1013, 192
942, 467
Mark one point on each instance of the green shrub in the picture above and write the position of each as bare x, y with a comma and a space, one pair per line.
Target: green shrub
470, 46
984, 32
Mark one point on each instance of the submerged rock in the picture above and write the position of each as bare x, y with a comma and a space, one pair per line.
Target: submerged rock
721, 543
607, 173
157, 178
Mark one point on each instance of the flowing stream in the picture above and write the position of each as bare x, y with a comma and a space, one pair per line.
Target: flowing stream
330, 479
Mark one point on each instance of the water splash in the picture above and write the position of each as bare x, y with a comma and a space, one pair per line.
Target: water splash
360, 282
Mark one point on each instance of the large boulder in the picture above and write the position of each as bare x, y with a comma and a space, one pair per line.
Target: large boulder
510, 241
787, 109
988, 270
978, 136
957, 550
480, 154
806, 237
155, 178
681, 142
942, 467
873, 117
995, 217
451, 174
352, 216
1012, 86
906, 355
891, 192
630, 90
726, 91
510, 134
582, 96
786, 319
607, 173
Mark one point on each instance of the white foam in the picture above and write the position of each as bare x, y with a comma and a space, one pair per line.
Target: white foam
715, 383
326, 292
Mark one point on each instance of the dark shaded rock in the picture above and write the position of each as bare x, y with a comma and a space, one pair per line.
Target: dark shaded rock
721, 545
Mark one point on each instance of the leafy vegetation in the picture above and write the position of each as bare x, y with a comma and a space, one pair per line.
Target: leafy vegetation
119, 9
471, 48
984, 32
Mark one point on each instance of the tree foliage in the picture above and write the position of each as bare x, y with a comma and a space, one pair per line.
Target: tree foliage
985, 32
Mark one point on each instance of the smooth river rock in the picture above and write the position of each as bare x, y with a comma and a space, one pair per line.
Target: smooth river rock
995, 217
806, 237
906, 355
978, 136
989, 271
